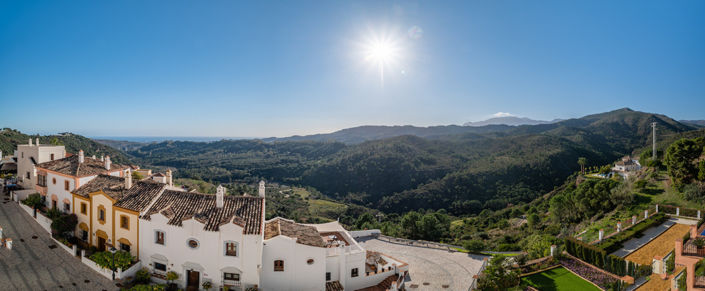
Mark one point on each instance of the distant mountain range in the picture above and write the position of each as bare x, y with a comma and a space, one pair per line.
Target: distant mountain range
509, 120
698, 123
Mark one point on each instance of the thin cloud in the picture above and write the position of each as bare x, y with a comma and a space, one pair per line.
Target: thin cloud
502, 114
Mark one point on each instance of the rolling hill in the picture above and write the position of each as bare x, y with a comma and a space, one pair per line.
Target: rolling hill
437, 167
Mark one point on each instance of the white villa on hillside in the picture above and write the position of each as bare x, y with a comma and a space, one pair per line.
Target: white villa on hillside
57, 179
626, 165
29, 155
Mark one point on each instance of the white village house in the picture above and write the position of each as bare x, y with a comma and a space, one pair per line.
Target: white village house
225, 240
29, 155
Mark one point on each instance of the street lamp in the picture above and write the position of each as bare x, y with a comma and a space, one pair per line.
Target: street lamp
113, 250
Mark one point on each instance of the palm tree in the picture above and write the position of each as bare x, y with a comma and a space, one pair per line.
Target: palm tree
582, 161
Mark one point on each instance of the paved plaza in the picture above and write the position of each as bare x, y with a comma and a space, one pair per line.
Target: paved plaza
430, 269
32, 265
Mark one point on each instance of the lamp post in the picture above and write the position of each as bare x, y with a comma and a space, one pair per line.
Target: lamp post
113, 250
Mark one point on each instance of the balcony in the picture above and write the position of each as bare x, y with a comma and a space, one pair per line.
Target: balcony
699, 282
690, 249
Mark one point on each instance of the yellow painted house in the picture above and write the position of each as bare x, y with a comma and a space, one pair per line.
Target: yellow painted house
108, 210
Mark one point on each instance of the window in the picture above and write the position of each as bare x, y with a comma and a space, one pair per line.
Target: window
279, 266
66, 185
231, 248
101, 214
52, 157
53, 180
23, 155
53, 204
159, 267
84, 208
67, 207
231, 276
27, 175
84, 235
159, 237
125, 247
309, 261
353, 272
124, 222
327, 276
42, 180
192, 243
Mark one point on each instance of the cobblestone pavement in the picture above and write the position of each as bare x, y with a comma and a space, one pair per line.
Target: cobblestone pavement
430, 269
32, 265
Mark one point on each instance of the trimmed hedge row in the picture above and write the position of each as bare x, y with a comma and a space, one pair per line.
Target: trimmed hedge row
600, 258
614, 243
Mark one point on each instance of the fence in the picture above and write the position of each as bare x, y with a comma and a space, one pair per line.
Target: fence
473, 285
421, 243
42, 220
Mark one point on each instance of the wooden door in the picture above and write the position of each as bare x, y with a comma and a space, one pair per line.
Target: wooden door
101, 244
192, 280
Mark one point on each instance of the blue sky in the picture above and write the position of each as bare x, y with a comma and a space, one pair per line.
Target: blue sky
277, 68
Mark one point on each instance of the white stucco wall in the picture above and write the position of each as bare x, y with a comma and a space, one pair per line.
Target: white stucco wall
209, 258
297, 274
59, 190
40, 154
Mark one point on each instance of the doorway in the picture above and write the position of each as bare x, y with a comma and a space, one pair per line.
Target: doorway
192, 278
101, 244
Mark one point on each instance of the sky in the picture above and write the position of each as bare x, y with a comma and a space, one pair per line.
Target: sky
279, 68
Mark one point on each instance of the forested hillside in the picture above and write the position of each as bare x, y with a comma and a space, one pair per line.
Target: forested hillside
9, 139
462, 173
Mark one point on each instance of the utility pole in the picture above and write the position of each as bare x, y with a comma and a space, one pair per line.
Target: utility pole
653, 147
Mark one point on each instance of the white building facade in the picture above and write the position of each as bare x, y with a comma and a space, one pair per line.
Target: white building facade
199, 237
31, 154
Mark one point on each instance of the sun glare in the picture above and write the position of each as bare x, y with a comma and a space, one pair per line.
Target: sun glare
381, 53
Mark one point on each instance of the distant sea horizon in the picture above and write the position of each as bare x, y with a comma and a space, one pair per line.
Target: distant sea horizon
149, 139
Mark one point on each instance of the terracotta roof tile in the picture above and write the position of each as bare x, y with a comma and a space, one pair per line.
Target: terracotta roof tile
178, 206
71, 166
141, 195
111, 185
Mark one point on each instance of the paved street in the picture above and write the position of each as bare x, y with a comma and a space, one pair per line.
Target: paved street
430, 269
32, 265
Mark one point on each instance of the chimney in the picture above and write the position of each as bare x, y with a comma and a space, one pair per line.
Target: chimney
80, 157
30, 141
93, 157
37, 141
261, 189
107, 163
220, 192
0, 155
128, 179
169, 180
102, 158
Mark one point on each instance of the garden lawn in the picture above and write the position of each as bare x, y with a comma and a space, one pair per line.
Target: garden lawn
556, 280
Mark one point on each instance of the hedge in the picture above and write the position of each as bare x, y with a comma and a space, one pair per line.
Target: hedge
614, 243
600, 258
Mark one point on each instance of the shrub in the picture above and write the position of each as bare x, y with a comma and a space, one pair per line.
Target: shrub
671, 263
615, 242
33, 200
682, 280
142, 276
474, 246
123, 260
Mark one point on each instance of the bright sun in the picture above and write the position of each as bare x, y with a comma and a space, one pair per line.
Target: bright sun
381, 53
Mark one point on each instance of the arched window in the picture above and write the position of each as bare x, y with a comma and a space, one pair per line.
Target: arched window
279, 266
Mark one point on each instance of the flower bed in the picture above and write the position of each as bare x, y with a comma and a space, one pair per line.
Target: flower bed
589, 273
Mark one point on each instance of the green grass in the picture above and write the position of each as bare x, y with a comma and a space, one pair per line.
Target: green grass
556, 280
325, 208
301, 192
